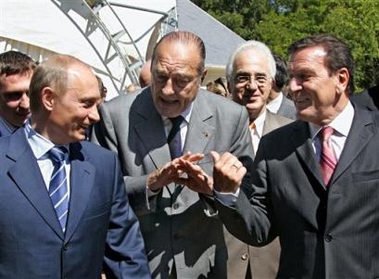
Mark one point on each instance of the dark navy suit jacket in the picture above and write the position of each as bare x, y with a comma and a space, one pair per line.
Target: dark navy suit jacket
101, 225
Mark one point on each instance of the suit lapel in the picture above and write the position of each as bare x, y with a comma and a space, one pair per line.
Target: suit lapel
150, 131
82, 179
302, 143
360, 134
27, 176
199, 132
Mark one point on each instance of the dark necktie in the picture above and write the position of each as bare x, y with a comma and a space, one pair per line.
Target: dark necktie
328, 160
58, 188
174, 138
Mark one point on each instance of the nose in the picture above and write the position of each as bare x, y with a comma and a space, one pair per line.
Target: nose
251, 84
168, 88
94, 114
294, 84
24, 102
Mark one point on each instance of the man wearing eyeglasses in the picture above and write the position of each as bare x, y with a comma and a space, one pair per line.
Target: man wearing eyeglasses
250, 73
16, 69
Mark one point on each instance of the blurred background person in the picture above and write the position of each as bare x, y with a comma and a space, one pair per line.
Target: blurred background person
145, 74
277, 102
218, 86
16, 69
368, 99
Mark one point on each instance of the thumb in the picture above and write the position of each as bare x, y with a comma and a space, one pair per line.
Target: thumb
215, 156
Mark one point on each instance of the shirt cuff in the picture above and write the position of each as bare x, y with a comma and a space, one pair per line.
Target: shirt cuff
227, 199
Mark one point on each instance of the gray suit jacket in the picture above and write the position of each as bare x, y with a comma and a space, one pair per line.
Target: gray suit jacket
287, 109
323, 233
178, 225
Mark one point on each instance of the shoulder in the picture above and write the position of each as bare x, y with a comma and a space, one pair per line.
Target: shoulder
216, 102
91, 151
278, 118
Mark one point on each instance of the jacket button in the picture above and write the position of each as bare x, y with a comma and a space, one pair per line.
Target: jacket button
328, 237
175, 206
65, 247
245, 256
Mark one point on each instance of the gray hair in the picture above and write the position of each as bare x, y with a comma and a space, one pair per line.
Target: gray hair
251, 45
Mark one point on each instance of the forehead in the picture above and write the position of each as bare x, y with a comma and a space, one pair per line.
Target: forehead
308, 58
251, 61
177, 57
83, 80
15, 82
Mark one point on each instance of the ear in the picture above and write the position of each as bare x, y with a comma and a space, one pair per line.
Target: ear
203, 74
47, 98
342, 80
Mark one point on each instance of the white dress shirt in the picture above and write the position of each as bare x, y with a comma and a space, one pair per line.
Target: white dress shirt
40, 145
274, 105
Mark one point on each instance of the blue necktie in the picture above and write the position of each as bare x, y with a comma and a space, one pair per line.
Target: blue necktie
174, 139
58, 188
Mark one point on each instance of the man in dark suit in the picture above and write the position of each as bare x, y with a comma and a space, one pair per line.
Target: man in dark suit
277, 102
368, 99
315, 181
184, 237
251, 75
16, 69
86, 221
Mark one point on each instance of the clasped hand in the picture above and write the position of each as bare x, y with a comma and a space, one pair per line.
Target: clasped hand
228, 173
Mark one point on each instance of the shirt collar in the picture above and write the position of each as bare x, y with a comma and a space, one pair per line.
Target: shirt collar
38, 143
259, 123
341, 124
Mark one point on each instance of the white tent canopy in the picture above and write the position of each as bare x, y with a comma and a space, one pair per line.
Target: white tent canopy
114, 37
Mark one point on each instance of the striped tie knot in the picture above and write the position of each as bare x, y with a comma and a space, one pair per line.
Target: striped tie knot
58, 153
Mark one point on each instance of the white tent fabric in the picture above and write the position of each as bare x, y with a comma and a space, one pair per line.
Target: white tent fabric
41, 28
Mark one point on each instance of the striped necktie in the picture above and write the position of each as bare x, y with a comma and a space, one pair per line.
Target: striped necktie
328, 160
58, 187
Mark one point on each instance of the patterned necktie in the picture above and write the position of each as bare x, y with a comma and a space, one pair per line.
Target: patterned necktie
58, 188
328, 160
174, 139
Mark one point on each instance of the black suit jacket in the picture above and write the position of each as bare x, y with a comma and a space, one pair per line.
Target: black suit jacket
368, 99
323, 233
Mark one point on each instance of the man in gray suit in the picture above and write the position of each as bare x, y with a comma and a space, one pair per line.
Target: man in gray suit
251, 74
277, 102
16, 69
314, 181
183, 235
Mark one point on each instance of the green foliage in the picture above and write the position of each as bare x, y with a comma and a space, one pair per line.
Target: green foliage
280, 22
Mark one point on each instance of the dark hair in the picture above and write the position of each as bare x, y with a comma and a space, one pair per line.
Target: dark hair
281, 76
338, 54
15, 62
184, 37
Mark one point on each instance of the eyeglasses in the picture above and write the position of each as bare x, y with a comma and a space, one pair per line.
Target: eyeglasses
260, 80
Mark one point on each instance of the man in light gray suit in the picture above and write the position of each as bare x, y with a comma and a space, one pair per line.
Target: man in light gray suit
183, 236
251, 74
315, 181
